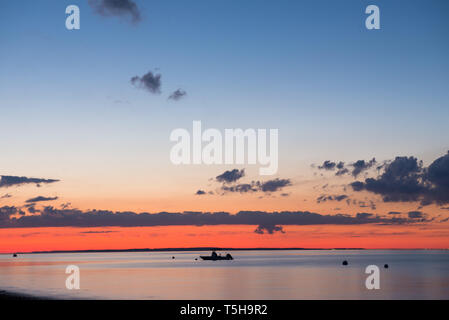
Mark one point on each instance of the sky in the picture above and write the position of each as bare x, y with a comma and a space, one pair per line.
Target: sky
335, 91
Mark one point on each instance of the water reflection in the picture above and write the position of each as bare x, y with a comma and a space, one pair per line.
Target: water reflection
252, 275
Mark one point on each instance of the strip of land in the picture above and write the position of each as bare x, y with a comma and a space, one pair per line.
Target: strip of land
182, 249
6, 295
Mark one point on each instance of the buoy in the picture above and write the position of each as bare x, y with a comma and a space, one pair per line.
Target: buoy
345, 263
386, 266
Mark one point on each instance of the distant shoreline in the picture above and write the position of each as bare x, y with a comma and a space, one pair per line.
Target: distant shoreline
7, 295
203, 249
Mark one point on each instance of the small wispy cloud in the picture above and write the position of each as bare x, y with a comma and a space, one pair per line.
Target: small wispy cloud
177, 95
41, 199
9, 181
150, 82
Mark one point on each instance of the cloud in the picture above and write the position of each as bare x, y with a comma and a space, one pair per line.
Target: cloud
149, 81
362, 165
229, 180
327, 165
230, 176
120, 8
31, 209
324, 198
416, 215
6, 196
6, 212
406, 180
257, 186
8, 181
437, 174
65, 205
52, 217
200, 192
354, 168
342, 171
270, 229
364, 215
242, 188
177, 95
394, 212
40, 199
274, 185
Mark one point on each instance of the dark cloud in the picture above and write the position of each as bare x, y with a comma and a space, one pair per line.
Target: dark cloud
354, 168
327, 165
364, 215
269, 229
257, 186
274, 185
31, 209
437, 175
65, 205
324, 198
6, 212
8, 181
121, 8
362, 165
200, 192
230, 176
367, 204
416, 215
406, 180
229, 183
357, 185
150, 82
52, 217
342, 171
6, 196
40, 199
241, 187
177, 95
394, 212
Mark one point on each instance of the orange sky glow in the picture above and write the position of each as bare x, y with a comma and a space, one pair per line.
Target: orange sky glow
238, 236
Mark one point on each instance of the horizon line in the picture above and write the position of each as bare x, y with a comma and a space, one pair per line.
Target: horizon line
207, 249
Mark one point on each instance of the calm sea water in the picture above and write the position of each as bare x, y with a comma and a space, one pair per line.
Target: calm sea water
252, 275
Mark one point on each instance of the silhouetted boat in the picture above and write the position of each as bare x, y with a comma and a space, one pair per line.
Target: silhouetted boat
14, 255
214, 257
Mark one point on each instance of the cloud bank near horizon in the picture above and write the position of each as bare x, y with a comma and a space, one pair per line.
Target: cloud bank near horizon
269, 222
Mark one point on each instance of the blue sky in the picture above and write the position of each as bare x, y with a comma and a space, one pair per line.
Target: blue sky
310, 68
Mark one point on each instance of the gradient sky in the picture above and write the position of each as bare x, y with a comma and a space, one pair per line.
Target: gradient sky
335, 90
